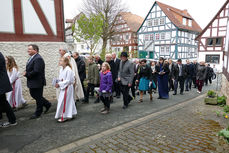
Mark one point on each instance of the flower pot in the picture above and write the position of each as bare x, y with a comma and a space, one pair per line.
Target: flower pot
211, 101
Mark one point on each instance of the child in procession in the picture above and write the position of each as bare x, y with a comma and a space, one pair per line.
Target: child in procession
66, 108
15, 97
106, 84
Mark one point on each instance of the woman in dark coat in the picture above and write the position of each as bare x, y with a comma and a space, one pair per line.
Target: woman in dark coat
162, 70
200, 76
144, 79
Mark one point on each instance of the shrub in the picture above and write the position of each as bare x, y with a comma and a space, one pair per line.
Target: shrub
226, 109
222, 100
211, 93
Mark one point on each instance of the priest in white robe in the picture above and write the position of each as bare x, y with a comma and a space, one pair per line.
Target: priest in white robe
15, 97
66, 108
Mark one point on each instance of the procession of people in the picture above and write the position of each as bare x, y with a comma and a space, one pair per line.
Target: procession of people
112, 78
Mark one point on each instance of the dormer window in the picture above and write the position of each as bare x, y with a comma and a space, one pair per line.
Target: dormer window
189, 22
184, 21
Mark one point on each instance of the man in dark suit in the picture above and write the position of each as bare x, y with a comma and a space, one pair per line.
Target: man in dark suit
35, 74
179, 74
5, 87
116, 83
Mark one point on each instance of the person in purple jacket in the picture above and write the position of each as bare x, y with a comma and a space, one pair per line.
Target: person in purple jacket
105, 90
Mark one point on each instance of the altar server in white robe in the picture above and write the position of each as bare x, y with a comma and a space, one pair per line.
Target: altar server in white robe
15, 97
79, 94
66, 108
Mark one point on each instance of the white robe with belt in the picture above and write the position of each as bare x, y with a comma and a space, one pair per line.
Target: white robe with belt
15, 97
78, 86
66, 105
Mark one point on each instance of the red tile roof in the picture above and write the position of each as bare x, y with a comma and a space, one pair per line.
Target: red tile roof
173, 14
133, 21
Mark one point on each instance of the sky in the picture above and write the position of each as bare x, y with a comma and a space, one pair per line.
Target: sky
201, 10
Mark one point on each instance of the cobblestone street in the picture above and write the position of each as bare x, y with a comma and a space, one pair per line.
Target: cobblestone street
191, 128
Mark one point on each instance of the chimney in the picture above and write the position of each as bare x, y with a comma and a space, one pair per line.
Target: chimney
185, 11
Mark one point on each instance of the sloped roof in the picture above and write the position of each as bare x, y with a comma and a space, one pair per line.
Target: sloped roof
72, 21
133, 21
218, 13
173, 13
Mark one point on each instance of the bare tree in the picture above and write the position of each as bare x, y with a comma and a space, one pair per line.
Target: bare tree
110, 9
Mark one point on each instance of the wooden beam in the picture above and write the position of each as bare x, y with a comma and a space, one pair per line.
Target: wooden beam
17, 17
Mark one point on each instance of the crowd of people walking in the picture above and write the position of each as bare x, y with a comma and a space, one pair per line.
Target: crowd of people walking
105, 80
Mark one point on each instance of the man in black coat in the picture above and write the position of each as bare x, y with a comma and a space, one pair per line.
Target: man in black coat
189, 67
179, 75
35, 74
5, 87
81, 68
116, 83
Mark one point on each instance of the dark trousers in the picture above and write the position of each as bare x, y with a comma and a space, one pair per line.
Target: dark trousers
188, 83
5, 107
117, 88
133, 88
179, 80
90, 88
171, 84
106, 101
82, 80
37, 94
200, 84
126, 96
208, 79
194, 81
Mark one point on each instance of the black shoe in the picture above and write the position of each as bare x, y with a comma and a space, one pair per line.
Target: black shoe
124, 107
34, 117
47, 109
96, 101
159, 98
186, 90
181, 93
118, 96
174, 93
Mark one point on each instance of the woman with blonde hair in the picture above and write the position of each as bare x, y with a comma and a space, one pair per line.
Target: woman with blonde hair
15, 97
66, 108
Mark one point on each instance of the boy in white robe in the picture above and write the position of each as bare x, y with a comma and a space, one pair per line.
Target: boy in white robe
66, 108
15, 97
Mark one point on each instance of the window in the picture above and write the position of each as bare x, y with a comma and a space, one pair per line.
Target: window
151, 37
155, 22
212, 59
157, 36
127, 37
146, 37
189, 23
82, 46
162, 50
184, 21
214, 41
162, 36
167, 35
149, 23
167, 50
162, 21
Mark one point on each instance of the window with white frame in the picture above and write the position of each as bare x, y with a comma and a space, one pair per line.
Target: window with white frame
157, 36
127, 37
82, 46
151, 37
149, 23
163, 36
162, 50
189, 22
184, 21
167, 50
162, 21
155, 22
167, 35
146, 37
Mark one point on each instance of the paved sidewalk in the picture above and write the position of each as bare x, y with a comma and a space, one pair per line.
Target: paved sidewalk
188, 127
45, 133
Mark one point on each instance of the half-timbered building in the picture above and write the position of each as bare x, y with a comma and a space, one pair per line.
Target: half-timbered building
211, 41
168, 32
41, 22
125, 26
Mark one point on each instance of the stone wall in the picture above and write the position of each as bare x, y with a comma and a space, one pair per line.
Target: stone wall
48, 50
225, 88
